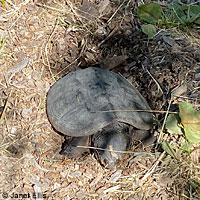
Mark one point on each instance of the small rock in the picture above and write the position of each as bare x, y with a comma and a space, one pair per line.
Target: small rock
76, 167
80, 195
26, 112
197, 76
197, 69
13, 130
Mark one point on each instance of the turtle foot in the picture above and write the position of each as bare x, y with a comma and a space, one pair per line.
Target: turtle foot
71, 147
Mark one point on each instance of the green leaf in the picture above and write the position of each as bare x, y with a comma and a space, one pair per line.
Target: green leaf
190, 119
150, 12
149, 30
180, 14
177, 13
194, 10
3, 2
172, 124
186, 146
195, 14
167, 148
2, 42
173, 12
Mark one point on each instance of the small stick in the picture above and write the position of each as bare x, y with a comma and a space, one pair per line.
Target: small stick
4, 111
150, 111
159, 88
116, 12
163, 125
46, 47
49, 7
116, 151
152, 169
43, 155
109, 36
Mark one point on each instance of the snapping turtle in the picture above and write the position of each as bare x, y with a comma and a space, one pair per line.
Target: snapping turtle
96, 107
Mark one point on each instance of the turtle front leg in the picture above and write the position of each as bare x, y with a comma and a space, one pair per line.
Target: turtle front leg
111, 144
144, 136
70, 146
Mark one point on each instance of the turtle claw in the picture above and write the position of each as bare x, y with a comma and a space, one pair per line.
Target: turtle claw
108, 160
70, 147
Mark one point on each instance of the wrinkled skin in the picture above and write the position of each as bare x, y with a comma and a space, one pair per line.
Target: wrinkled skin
112, 139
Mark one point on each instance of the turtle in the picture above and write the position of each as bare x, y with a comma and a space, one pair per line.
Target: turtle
97, 108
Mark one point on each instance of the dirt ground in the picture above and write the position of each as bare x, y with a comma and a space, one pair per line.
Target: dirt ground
41, 41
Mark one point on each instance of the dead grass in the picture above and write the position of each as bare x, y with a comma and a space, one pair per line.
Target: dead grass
40, 41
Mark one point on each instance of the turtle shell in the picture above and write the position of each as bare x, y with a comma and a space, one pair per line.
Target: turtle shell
85, 101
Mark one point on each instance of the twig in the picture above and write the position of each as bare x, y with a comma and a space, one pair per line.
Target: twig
51, 8
46, 47
43, 155
116, 151
152, 169
109, 36
184, 97
4, 109
116, 11
68, 65
163, 125
159, 88
73, 61
150, 111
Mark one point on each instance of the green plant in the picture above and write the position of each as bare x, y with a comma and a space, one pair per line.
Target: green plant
2, 42
176, 15
3, 3
187, 123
